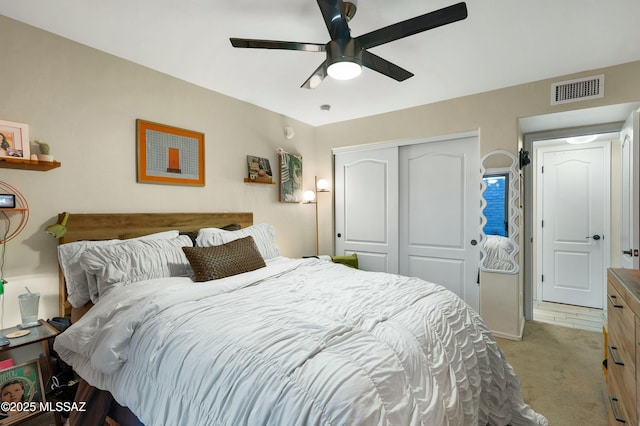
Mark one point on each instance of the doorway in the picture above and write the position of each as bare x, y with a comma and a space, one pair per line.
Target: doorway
573, 204
569, 218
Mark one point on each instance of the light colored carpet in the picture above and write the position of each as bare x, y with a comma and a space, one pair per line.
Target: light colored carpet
560, 372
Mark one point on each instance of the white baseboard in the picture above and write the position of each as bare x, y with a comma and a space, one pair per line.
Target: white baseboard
509, 336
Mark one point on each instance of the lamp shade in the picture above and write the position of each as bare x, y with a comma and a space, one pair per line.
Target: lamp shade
59, 229
322, 185
309, 196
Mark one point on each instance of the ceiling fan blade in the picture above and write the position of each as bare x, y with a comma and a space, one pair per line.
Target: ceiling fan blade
335, 19
438, 18
274, 44
385, 67
316, 78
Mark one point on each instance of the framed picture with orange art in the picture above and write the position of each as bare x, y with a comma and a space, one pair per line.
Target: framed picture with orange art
14, 140
169, 155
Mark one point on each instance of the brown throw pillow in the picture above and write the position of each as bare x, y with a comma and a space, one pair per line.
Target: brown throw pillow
233, 258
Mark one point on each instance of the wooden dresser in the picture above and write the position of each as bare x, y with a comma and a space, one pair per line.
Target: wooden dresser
623, 360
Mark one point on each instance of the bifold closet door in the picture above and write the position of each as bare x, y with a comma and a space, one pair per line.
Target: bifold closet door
439, 214
366, 207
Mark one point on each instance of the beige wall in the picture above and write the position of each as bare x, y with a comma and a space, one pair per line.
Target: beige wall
496, 116
84, 103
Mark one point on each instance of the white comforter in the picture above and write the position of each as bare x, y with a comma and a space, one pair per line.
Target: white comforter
300, 342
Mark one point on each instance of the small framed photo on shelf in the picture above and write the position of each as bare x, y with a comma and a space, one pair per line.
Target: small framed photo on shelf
21, 391
14, 140
259, 169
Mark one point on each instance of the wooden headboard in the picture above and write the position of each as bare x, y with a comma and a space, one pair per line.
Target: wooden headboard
106, 226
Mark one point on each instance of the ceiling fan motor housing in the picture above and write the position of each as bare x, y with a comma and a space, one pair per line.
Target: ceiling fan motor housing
342, 50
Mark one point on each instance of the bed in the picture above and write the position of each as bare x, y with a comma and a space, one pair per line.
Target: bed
270, 340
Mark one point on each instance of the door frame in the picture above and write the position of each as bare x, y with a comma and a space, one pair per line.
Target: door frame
544, 146
529, 214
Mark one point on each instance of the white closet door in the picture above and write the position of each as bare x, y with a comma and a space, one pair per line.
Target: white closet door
366, 206
439, 214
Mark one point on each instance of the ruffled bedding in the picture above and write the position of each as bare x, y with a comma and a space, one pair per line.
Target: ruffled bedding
300, 342
498, 251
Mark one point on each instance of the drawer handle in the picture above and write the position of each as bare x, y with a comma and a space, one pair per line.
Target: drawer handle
614, 409
614, 302
614, 358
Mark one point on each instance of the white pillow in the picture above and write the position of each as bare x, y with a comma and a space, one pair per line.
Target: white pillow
263, 234
78, 283
78, 293
137, 260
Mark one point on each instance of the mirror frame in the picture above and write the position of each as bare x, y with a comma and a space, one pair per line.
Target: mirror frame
513, 210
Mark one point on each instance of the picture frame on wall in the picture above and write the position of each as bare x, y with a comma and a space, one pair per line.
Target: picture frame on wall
290, 189
169, 155
21, 383
14, 140
259, 169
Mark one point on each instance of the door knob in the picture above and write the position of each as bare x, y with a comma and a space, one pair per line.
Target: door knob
595, 237
629, 252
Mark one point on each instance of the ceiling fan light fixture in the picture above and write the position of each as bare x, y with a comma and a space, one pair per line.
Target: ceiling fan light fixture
315, 81
344, 70
350, 8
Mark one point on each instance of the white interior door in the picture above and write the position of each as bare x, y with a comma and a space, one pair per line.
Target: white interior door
574, 208
630, 234
439, 214
366, 207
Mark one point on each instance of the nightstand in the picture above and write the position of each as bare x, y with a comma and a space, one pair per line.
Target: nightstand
29, 353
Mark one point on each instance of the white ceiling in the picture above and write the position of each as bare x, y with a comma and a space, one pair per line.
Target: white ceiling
502, 43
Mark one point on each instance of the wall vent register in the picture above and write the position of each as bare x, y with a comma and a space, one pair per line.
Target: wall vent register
579, 89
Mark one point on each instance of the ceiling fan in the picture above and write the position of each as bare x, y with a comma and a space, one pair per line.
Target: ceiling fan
346, 55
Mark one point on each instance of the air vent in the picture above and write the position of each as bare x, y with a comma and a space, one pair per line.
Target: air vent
580, 89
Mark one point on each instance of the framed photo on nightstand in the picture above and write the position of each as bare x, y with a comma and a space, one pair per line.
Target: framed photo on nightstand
21, 392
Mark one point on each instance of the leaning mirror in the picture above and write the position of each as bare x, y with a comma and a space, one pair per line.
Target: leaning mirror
499, 212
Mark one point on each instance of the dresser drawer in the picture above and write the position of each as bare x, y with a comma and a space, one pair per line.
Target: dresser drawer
622, 394
621, 324
621, 356
637, 345
618, 415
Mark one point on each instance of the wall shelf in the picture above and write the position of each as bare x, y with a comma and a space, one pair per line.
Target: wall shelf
14, 210
26, 164
247, 180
